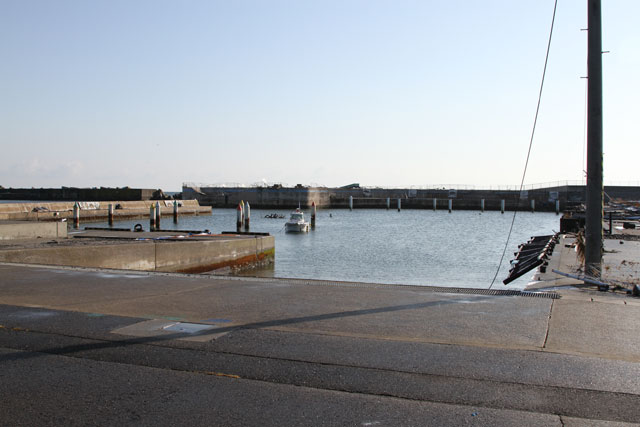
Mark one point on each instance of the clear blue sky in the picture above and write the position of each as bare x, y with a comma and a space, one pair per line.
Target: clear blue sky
155, 93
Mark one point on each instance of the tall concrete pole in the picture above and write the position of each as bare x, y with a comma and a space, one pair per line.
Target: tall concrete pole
593, 225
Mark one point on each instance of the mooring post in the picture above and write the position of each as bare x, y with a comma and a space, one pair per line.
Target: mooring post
350, 203
388, 202
313, 214
76, 215
533, 205
435, 203
110, 213
482, 205
152, 217
610, 222
158, 215
450, 205
557, 207
241, 212
175, 211
399, 204
502, 206
247, 215
239, 217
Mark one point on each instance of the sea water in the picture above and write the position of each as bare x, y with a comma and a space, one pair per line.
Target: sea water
415, 247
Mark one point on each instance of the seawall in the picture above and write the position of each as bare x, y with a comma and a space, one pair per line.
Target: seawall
96, 211
547, 199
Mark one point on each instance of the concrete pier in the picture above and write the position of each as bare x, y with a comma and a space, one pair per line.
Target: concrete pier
93, 211
178, 349
145, 251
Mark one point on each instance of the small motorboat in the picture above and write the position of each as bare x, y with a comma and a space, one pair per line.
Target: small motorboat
296, 223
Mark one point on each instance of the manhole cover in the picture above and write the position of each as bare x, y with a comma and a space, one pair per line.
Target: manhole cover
187, 328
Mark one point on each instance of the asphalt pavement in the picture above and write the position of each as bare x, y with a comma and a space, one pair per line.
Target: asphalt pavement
105, 347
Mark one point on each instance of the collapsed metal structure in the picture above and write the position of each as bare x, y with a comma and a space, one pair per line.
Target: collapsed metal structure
530, 255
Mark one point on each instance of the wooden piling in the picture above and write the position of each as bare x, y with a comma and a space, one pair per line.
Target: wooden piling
247, 215
152, 217
175, 211
76, 215
110, 214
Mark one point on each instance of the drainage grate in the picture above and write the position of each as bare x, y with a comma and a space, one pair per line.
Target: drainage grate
440, 289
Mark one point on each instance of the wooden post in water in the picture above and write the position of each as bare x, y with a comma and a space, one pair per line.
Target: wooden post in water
247, 215
388, 202
350, 203
152, 217
450, 205
399, 204
502, 206
158, 215
76, 215
313, 214
239, 217
482, 205
435, 203
110, 213
175, 211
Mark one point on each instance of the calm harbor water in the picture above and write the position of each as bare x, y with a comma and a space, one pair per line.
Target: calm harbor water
417, 247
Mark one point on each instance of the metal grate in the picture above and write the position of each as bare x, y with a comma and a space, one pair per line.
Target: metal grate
439, 289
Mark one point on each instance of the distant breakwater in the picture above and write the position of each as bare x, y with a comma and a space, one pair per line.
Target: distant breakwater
547, 199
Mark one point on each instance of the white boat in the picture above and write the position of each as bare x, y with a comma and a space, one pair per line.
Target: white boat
296, 223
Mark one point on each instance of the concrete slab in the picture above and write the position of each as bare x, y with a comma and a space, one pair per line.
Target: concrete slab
375, 311
602, 325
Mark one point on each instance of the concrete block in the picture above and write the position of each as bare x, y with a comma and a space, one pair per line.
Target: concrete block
32, 230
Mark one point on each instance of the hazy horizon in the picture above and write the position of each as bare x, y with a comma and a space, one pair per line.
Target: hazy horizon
151, 94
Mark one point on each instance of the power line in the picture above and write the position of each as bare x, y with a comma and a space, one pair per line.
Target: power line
533, 131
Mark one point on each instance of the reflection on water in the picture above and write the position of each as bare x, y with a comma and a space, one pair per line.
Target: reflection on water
419, 247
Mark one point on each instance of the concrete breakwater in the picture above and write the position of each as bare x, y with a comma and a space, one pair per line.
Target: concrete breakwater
146, 251
546, 199
96, 211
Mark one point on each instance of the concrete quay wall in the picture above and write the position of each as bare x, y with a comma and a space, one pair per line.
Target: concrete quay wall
259, 197
16, 230
544, 199
95, 211
73, 193
163, 255
268, 198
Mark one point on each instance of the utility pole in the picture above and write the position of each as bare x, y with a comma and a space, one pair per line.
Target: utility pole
594, 196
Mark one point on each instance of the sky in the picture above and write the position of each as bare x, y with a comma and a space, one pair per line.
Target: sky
155, 93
